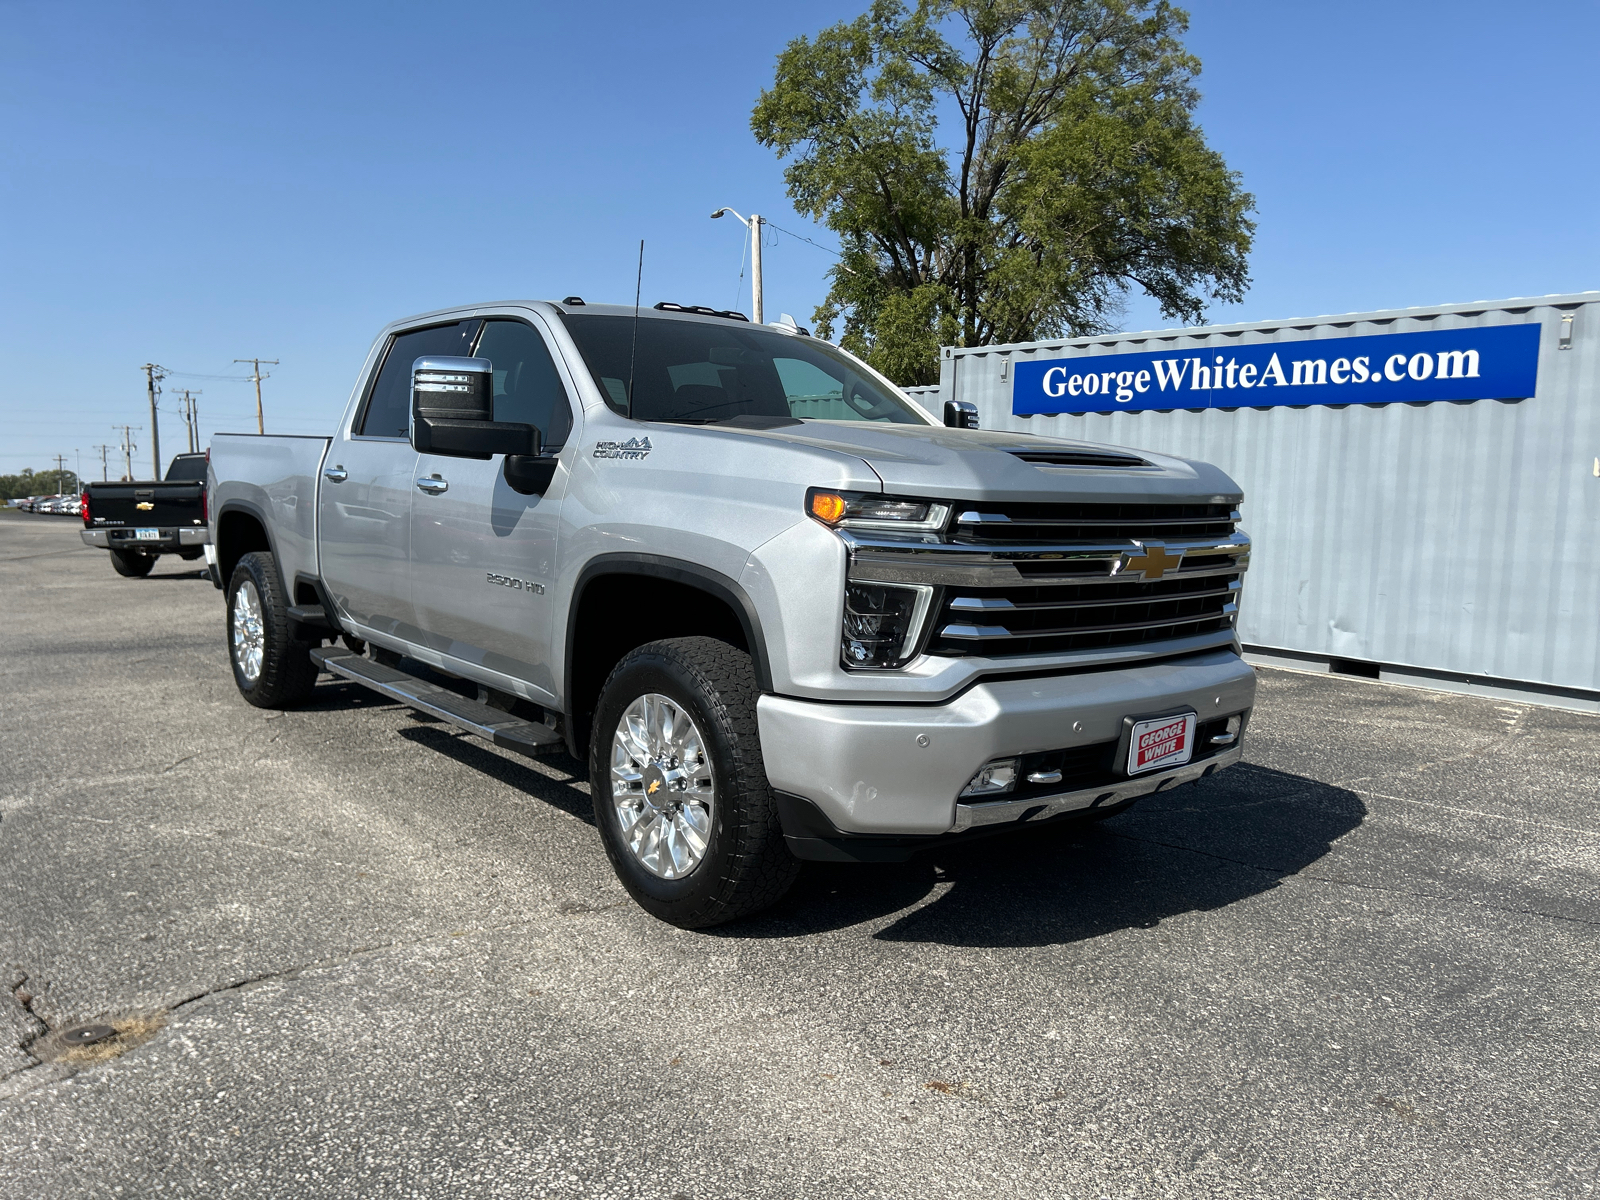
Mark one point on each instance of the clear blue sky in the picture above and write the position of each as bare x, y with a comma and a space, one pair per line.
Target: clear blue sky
191, 183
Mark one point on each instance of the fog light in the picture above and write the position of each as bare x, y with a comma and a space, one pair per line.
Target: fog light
995, 778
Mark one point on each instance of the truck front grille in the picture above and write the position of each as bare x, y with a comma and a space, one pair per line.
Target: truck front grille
1074, 603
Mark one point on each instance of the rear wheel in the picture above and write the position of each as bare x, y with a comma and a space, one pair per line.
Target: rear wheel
134, 566
272, 669
680, 791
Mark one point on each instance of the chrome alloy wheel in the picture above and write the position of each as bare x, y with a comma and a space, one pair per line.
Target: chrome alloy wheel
249, 635
662, 786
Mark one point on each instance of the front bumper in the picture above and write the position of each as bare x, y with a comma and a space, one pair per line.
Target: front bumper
897, 770
181, 538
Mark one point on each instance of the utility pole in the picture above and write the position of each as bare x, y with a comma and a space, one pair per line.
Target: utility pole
261, 424
61, 474
105, 471
191, 416
152, 375
754, 222
128, 446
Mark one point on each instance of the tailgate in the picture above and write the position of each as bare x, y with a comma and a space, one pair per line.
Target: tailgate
152, 505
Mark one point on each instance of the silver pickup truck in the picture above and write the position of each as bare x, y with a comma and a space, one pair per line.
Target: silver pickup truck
780, 610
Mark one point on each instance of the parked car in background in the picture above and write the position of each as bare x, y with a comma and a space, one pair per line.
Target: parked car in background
140, 521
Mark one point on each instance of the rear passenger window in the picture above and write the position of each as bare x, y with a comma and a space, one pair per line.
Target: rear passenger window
527, 388
389, 406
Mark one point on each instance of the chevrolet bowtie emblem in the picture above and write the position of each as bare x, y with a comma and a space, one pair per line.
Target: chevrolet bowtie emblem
1152, 562
144, 506
655, 786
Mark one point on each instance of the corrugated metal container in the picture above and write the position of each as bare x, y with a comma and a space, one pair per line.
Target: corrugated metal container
1453, 543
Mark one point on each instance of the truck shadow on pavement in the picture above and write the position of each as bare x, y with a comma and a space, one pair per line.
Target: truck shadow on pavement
1195, 849
557, 793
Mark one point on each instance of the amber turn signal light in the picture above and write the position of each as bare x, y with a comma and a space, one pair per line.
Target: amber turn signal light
827, 507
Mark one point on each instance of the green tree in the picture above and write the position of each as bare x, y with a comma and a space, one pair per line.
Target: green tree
1076, 172
36, 483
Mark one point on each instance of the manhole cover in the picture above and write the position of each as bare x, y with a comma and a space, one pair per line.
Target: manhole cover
87, 1035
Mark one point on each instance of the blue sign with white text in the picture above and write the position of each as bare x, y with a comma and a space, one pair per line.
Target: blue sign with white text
1487, 362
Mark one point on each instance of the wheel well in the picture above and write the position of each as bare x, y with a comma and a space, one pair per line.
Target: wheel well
238, 534
617, 612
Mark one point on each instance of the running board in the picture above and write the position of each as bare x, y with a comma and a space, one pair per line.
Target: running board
491, 724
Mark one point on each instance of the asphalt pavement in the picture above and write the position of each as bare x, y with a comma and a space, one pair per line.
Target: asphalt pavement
348, 952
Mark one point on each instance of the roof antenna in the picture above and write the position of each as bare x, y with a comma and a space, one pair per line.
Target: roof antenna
633, 354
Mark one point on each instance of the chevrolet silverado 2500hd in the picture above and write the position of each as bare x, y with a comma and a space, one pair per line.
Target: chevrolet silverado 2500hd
782, 613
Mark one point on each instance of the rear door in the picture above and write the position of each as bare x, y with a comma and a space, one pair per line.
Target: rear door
368, 479
483, 556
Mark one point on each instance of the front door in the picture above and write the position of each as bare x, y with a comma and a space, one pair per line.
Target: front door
482, 556
368, 479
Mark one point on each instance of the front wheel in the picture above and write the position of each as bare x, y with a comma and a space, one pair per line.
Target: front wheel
272, 669
680, 791
132, 566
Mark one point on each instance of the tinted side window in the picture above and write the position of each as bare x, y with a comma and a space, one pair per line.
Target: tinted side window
527, 388
389, 406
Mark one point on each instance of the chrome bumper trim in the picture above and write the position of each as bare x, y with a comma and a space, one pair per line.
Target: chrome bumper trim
1039, 808
94, 537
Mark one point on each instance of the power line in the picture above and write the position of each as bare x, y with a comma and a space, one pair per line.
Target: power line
797, 237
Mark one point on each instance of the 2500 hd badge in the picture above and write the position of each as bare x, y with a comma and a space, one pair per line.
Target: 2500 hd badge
511, 581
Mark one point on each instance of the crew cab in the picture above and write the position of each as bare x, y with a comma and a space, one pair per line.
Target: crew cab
140, 521
781, 611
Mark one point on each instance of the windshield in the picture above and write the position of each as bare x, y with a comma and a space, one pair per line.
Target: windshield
697, 371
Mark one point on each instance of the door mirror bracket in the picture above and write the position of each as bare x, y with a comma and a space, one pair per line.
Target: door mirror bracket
530, 474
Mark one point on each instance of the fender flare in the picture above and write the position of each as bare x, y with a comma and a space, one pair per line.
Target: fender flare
250, 508
679, 571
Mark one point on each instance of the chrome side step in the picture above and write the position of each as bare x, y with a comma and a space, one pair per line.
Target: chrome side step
491, 724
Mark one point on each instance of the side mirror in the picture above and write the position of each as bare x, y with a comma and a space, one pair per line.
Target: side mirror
960, 414
452, 411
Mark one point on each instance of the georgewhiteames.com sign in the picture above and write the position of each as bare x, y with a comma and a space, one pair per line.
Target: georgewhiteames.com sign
1495, 362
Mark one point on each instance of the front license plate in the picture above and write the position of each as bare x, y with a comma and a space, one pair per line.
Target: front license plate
1161, 742
147, 535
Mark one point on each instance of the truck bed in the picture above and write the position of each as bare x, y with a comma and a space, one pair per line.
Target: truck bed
274, 478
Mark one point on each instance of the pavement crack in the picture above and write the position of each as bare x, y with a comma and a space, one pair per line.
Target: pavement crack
24, 996
284, 973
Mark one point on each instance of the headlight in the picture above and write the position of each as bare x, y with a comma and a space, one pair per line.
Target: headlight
882, 623
863, 510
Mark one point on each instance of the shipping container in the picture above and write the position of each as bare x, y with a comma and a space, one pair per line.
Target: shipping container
1422, 485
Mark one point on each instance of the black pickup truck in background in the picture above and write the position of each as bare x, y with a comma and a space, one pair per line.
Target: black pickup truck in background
140, 521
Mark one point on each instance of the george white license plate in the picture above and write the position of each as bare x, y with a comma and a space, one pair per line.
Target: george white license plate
1161, 742
147, 535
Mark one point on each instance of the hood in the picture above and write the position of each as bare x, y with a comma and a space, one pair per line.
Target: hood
974, 464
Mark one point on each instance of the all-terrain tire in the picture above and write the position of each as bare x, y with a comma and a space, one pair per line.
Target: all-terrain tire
285, 673
746, 865
132, 566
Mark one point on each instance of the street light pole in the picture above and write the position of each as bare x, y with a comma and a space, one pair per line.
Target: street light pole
754, 222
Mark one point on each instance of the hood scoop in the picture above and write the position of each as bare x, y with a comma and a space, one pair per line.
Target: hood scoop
1079, 458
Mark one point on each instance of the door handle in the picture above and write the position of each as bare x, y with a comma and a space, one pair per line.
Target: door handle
433, 485
335, 474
